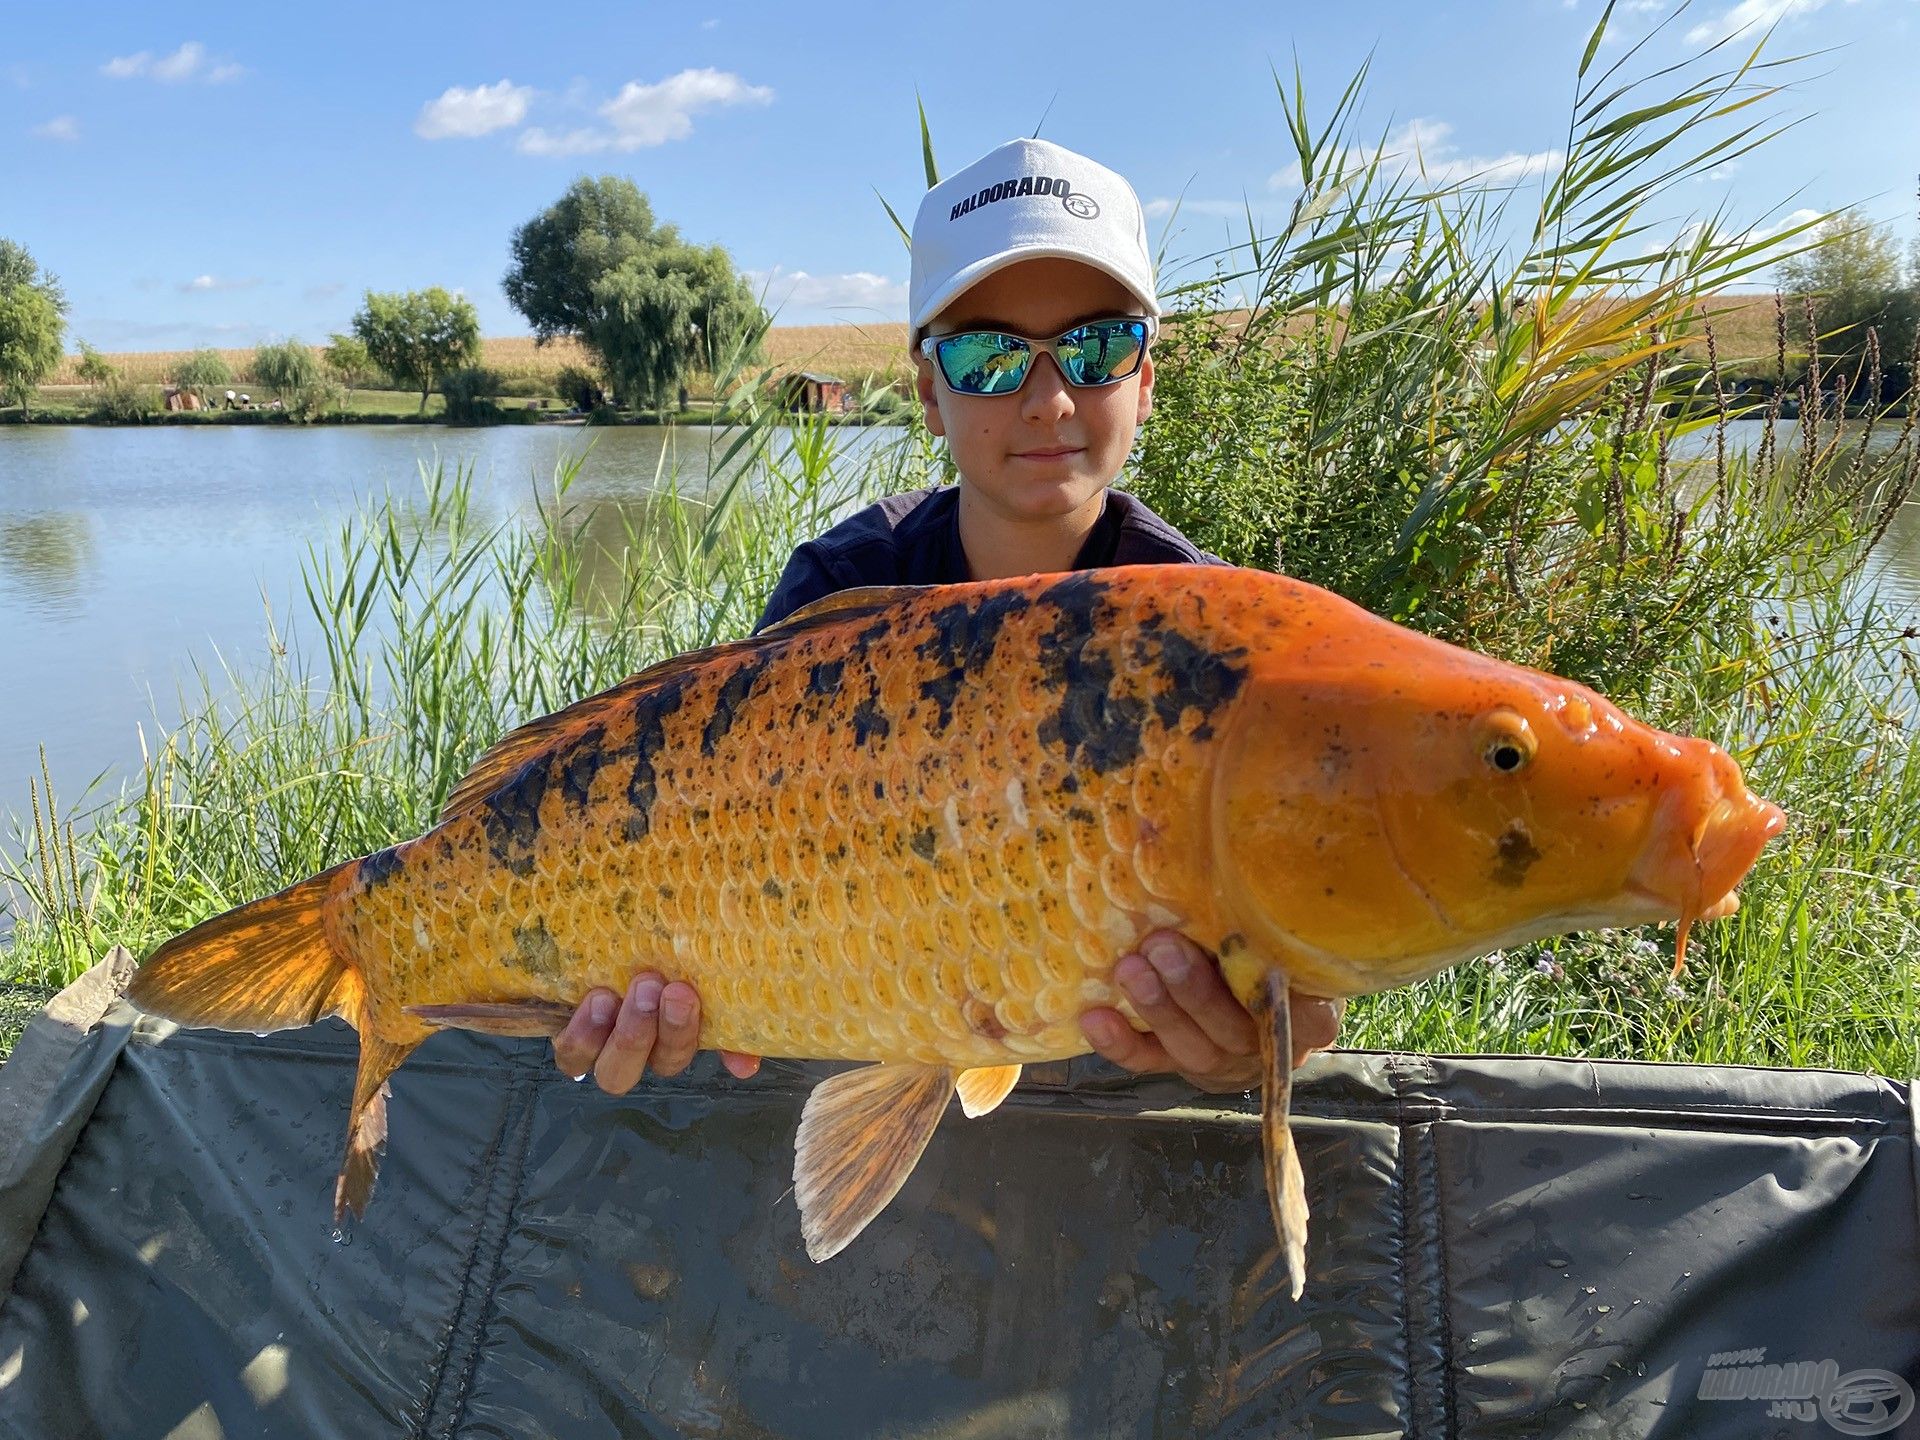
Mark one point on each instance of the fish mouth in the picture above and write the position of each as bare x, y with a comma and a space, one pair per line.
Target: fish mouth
1705, 837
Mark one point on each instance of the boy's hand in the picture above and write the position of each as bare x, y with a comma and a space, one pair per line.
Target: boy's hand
1198, 1029
618, 1037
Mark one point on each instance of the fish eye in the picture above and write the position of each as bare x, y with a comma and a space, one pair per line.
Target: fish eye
1506, 742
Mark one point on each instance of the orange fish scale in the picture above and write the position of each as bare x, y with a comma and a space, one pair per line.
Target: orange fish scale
962, 814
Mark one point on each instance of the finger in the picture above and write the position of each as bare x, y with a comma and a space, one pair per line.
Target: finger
739, 1065
1316, 1023
1185, 1042
623, 1060
578, 1046
679, 1029
1195, 985
1115, 1040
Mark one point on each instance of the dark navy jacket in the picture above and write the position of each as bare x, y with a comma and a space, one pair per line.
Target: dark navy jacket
914, 539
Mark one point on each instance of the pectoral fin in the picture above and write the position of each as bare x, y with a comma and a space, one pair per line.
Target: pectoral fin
498, 1017
1286, 1187
982, 1090
861, 1134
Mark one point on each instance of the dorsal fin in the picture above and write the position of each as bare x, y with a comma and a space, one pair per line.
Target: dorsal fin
863, 598
543, 736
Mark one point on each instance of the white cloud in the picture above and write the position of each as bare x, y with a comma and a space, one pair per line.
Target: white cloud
647, 115
643, 116
462, 114
1423, 147
189, 62
61, 127
1757, 13
709, 24
535, 141
201, 283
875, 296
1690, 233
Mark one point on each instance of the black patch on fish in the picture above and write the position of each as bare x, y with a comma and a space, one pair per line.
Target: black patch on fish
773, 891
511, 817
580, 764
922, 842
941, 690
735, 691
879, 789
962, 642
378, 868
535, 950
1198, 678
868, 719
650, 712
871, 636
1516, 855
824, 678
1095, 725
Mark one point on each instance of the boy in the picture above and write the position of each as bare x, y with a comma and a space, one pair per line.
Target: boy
1032, 306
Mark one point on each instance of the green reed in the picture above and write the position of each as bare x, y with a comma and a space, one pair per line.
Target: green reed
425, 636
1484, 450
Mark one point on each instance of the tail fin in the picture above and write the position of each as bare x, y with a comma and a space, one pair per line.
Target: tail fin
270, 966
263, 967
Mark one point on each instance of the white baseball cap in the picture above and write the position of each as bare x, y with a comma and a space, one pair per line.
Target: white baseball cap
1026, 199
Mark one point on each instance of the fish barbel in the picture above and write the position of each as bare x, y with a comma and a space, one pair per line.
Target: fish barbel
918, 827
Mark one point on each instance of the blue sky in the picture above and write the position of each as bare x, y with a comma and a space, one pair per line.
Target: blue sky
227, 174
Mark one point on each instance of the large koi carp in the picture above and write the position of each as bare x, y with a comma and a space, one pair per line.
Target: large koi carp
917, 827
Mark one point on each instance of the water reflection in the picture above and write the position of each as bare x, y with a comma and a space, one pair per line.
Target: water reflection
47, 561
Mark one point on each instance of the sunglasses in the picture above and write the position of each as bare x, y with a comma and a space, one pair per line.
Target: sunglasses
991, 362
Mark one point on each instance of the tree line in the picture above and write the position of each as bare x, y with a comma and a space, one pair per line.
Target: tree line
596, 266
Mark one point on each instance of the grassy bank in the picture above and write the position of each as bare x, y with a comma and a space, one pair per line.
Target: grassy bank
860, 354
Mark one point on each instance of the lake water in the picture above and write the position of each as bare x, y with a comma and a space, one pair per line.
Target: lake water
126, 553
129, 554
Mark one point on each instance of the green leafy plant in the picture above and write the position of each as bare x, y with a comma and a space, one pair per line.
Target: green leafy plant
204, 371
125, 401
418, 336
470, 395
94, 368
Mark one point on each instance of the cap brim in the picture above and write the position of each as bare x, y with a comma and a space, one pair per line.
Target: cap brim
966, 279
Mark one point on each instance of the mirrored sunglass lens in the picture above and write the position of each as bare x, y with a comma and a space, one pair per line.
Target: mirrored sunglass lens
1095, 354
982, 363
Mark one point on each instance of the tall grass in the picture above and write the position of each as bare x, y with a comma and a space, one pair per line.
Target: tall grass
1481, 446
425, 637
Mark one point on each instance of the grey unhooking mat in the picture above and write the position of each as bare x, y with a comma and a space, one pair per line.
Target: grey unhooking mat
1500, 1247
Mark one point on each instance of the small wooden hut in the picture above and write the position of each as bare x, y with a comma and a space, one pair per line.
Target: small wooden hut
805, 391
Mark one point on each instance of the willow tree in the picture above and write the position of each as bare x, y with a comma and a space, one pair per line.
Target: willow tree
32, 324
597, 266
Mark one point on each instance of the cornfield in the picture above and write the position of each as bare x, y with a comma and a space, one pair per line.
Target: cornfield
864, 354
855, 352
